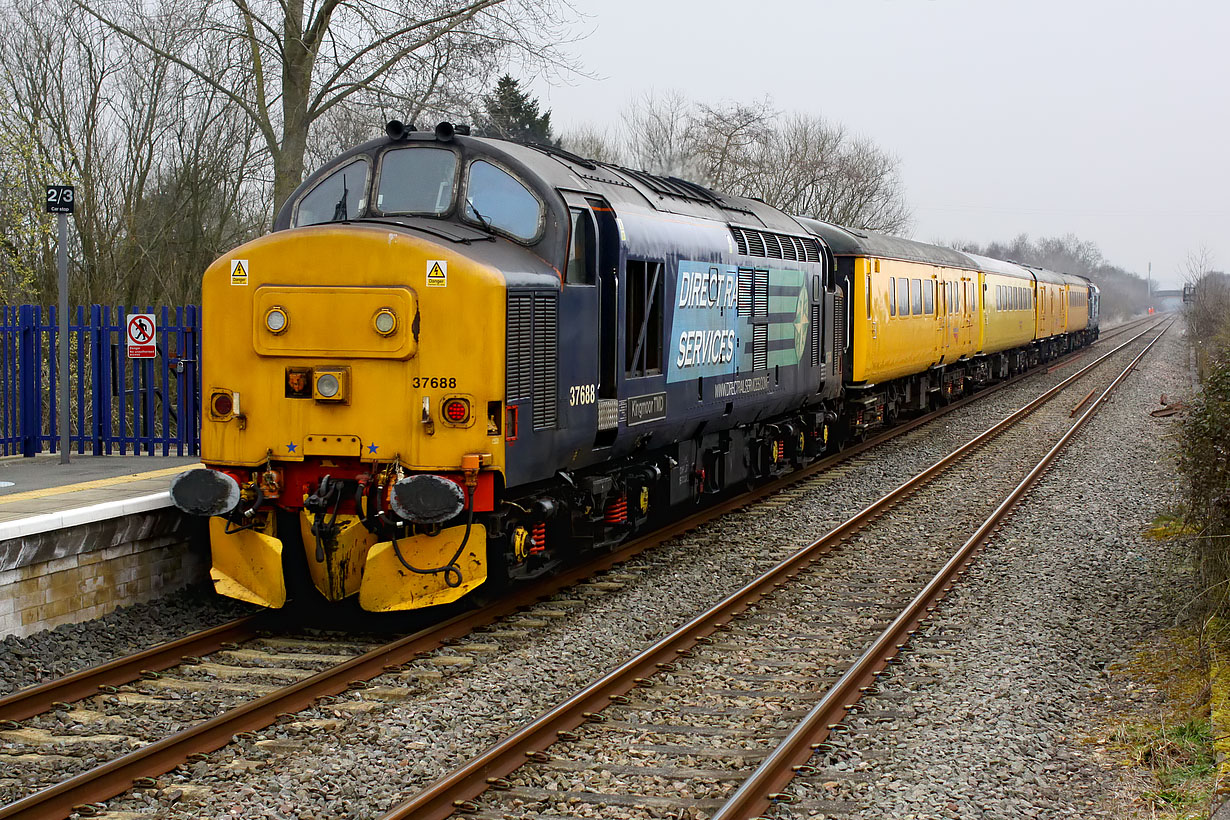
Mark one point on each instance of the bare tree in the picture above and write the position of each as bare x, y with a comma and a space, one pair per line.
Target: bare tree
657, 133
593, 143
288, 63
162, 165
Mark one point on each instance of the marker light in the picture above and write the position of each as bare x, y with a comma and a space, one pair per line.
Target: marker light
276, 320
222, 404
385, 322
327, 386
455, 411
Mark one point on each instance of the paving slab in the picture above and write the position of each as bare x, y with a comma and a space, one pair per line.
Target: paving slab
42, 485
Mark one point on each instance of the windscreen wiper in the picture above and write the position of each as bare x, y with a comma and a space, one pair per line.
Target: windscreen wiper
339, 210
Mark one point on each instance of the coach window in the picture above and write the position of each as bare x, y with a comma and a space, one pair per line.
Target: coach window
340, 196
581, 250
973, 297
916, 300
929, 297
417, 181
903, 297
643, 318
892, 296
496, 199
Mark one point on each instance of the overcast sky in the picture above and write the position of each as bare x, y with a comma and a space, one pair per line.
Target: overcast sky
1109, 119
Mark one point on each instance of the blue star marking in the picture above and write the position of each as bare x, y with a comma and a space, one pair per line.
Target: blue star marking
290, 448
372, 448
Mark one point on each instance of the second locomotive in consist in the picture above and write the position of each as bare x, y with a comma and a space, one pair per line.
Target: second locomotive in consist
458, 359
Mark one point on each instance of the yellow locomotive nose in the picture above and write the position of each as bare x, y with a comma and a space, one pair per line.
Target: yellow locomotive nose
384, 373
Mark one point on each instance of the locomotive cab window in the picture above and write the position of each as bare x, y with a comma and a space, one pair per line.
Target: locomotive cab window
581, 250
340, 196
417, 181
643, 318
497, 200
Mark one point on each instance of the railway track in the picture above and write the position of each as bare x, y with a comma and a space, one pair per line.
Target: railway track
119, 773
719, 715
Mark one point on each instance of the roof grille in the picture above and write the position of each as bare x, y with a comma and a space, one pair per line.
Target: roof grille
755, 242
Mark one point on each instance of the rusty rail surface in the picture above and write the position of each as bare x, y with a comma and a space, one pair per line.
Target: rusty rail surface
37, 699
118, 775
444, 797
757, 793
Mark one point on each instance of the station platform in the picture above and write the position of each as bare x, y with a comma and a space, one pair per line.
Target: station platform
89, 488
80, 539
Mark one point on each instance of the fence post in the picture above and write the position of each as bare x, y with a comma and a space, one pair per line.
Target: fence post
98, 392
192, 378
30, 423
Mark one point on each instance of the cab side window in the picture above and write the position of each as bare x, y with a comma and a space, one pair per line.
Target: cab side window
581, 249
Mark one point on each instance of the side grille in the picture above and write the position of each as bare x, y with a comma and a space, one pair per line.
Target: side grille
532, 370
755, 242
815, 334
839, 331
760, 347
546, 358
760, 295
745, 292
520, 363
753, 293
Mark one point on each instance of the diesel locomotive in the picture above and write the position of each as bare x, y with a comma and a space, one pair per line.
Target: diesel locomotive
459, 360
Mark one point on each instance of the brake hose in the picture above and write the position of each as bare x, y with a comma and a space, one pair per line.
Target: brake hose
450, 570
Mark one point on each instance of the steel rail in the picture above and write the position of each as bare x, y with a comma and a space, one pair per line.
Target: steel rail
440, 799
118, 775
37, 699
758, 792
40, 698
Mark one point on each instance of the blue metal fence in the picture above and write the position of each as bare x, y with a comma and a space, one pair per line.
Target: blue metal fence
117, 404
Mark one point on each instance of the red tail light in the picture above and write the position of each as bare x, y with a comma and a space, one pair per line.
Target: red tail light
222, 404
455, 411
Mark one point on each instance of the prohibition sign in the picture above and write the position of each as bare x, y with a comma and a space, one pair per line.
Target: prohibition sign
140, 329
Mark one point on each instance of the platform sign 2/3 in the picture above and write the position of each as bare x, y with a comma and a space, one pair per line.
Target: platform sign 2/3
60, 199
140, 329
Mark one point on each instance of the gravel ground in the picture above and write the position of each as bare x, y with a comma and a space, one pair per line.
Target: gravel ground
356, 759
1001, 679
54, 653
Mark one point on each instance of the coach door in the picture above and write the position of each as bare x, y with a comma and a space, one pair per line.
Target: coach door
941, 317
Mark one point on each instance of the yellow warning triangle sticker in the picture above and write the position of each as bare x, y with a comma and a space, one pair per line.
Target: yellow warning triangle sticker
437, 274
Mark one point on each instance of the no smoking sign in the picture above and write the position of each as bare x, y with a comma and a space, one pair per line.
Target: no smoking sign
140, 329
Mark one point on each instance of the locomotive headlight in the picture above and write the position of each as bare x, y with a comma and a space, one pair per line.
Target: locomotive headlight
329, 384
276, 320
385, 321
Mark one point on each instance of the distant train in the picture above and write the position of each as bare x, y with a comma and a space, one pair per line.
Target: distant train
458, 360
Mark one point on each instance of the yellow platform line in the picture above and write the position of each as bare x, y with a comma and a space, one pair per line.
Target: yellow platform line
47, 492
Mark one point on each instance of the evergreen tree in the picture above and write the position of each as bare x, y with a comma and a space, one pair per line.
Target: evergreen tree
513, 114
